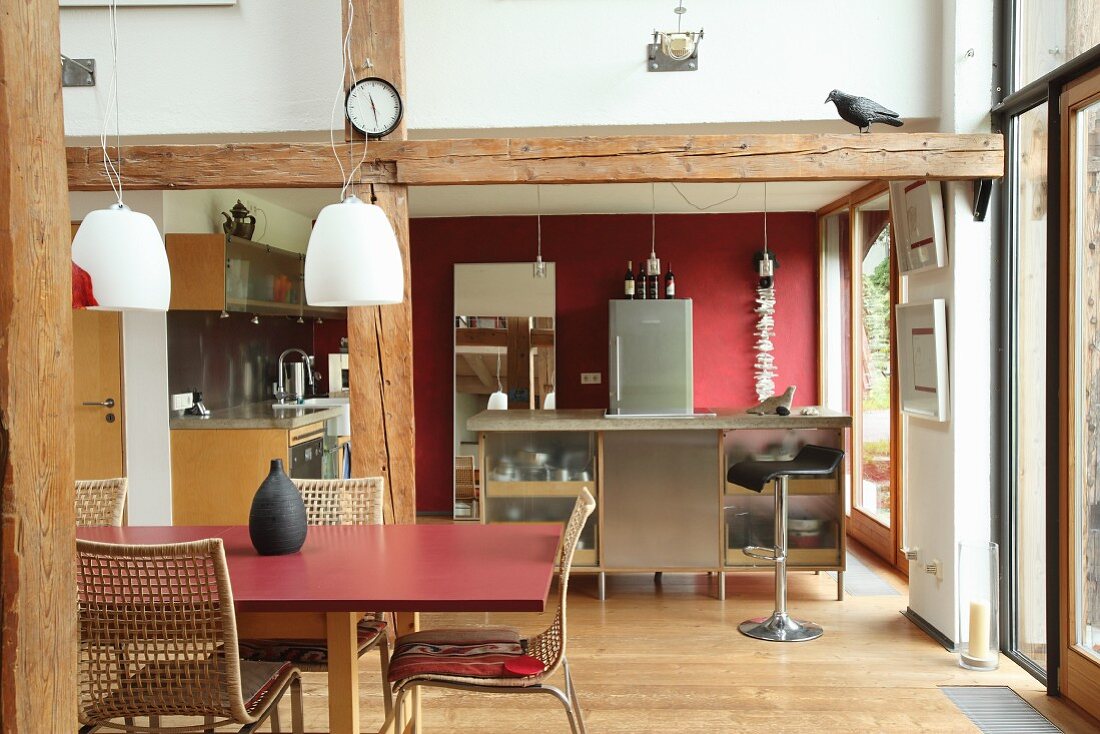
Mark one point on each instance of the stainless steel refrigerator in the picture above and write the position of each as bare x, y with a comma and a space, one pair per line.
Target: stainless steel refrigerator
650, 360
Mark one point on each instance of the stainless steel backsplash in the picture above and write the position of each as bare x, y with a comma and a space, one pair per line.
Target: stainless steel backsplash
232, 361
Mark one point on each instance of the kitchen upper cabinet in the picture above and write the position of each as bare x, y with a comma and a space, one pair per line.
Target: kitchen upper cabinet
212, 272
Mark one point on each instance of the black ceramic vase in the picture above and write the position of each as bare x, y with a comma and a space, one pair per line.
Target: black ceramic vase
277, 521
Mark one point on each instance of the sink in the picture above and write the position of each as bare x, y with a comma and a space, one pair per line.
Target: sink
343, 424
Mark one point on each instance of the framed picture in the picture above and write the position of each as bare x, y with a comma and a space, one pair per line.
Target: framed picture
919, 233
922, 359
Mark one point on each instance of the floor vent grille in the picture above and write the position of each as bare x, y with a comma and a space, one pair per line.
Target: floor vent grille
999, 710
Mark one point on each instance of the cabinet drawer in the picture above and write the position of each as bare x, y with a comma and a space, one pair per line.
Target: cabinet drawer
826, 485
306, 433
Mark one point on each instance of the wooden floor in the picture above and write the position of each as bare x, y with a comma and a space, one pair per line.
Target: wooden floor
667, 657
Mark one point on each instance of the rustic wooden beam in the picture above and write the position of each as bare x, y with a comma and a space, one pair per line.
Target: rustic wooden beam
380, 346
623, 159
237, 165
38, 648
703, 158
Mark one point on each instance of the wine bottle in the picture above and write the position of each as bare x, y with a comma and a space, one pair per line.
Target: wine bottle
640, 282
654, 283
670, 283
628, 282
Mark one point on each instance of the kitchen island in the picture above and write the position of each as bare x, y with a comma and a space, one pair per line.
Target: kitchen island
663, 500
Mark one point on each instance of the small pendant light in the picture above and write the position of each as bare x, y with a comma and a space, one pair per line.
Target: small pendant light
120, 249
498, 400
538, 268
352, 258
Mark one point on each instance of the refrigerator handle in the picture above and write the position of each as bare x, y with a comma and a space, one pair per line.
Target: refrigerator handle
618, 376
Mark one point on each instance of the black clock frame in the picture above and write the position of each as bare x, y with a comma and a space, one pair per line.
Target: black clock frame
400, 107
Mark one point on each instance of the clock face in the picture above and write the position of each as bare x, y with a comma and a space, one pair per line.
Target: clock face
373, 107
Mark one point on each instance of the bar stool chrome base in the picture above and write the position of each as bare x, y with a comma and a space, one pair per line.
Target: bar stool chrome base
780, 627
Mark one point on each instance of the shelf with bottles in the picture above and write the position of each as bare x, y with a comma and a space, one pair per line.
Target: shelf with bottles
544, 509
814, 530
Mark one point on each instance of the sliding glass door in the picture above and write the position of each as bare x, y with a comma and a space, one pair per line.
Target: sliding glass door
1080, 493
1026, 550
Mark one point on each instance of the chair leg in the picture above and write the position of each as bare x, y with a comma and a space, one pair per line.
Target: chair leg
208, 724
384, 658
567, 704
276, 725
571, 691
399, 711
154, 722
297, 709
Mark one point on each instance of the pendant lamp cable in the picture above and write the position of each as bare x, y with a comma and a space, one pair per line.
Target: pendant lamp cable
538, 219
500, 388
765, 218
111, 168
347, 66
653, 221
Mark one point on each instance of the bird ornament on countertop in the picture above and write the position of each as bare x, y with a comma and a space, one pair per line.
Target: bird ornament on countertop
862, 112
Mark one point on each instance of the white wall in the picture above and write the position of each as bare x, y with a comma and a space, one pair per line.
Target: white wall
200, 211
949, 468
273, 65
145, 384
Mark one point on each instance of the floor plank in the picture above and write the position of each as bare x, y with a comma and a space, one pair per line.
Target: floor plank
667, 657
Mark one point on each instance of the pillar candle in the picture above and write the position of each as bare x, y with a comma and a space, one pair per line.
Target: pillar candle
978, 644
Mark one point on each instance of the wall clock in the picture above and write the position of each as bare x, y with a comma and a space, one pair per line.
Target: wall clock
373, 107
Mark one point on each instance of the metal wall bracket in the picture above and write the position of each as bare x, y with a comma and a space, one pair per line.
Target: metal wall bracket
658, 60
77, 72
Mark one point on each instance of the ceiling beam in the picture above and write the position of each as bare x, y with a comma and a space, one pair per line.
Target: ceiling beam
623, 159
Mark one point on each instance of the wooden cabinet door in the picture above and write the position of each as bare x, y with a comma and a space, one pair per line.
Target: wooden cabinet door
97, 379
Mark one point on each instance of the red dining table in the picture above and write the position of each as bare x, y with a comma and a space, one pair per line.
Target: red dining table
344, 571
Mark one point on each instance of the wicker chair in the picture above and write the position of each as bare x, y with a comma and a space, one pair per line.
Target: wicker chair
334, 502
100, 502
495, 659
158, 638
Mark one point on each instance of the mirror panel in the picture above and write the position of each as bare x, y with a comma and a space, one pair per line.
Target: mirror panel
504, 339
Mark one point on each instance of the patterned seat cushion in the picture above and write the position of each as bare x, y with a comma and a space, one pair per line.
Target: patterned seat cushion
257, 679
476, 652
308, 653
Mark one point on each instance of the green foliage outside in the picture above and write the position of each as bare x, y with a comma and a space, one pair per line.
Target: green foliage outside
876, 325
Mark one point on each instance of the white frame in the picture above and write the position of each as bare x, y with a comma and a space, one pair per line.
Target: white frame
921, 330
919, 233
140, 3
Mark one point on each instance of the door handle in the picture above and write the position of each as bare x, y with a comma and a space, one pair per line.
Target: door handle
108, 403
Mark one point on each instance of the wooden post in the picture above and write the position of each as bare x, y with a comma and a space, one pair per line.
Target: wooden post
380, 338
37, 583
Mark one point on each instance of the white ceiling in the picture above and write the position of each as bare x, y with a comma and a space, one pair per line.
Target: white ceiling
522, 199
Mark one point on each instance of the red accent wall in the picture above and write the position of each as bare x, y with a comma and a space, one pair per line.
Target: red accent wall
711, 255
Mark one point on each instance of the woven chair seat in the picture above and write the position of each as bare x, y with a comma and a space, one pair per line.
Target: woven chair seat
473, 652
166, 685
309, 655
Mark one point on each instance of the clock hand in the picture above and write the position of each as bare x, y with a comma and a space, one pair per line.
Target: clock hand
372, 107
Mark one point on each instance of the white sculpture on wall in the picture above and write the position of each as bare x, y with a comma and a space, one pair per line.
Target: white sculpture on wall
765, 328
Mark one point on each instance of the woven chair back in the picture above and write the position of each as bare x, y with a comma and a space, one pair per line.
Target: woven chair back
343, 501
157, 632
100, 502
549, 647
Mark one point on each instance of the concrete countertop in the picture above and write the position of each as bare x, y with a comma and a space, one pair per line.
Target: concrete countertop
596, 420
254, 416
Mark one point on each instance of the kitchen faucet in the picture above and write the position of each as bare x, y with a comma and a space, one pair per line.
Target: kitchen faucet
281, 394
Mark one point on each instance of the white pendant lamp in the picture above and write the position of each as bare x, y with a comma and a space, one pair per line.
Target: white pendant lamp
121, 250
550, 402
353, 258
123, 254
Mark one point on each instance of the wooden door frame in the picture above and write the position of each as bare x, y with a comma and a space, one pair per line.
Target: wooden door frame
1078, 675
884, 541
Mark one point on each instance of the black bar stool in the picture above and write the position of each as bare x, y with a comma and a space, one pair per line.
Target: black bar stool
811, 461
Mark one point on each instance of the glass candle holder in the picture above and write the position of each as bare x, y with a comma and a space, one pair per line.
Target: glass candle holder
978, 573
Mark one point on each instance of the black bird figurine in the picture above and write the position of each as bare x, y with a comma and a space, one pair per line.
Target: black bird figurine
861, 111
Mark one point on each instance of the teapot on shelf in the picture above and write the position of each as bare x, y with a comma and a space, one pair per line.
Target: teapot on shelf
241, 223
